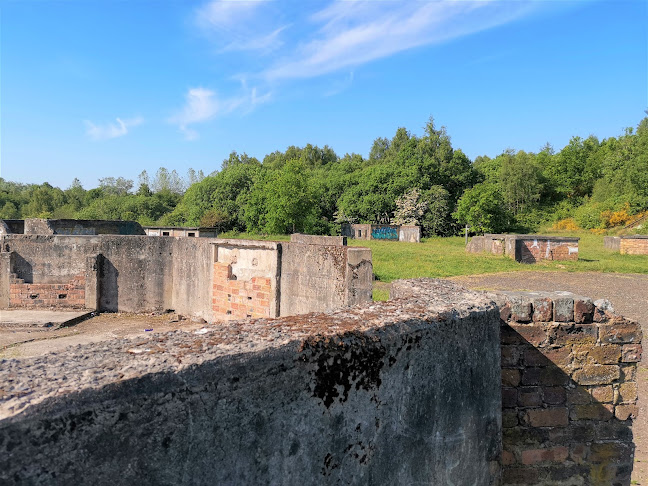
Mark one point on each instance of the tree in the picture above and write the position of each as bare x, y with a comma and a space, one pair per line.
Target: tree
482, 208
409, 208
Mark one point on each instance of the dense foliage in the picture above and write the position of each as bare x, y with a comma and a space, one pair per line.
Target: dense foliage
590, 183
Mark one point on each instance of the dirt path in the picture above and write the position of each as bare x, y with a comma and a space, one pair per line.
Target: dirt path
629, 296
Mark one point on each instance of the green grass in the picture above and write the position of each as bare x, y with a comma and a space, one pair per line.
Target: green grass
447, 257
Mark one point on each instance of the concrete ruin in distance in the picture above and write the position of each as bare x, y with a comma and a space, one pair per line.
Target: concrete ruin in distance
388, 232
210, 278
627, 245
526, 248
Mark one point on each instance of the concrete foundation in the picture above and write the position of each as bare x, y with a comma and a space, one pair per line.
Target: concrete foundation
526, 248
393, 232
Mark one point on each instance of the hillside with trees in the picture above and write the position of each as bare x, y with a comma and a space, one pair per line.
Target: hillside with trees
589, 184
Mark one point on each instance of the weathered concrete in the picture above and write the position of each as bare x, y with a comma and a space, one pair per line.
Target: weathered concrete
612, 242
26, 318
318, 240
526, 248
191, 232
38, 226
401, 392
392, 232
209, 278
9, 226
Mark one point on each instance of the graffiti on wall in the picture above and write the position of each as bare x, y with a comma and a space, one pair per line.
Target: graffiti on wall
384, 233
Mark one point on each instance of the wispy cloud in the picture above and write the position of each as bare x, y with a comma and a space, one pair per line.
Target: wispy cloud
352, 33
111, 130
202, 105
240, 25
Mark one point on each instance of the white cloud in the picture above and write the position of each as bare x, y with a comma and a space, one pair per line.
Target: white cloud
352, 33
239, 25
111, 130
202, 105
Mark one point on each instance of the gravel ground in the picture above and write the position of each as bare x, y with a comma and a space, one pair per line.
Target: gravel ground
629, 296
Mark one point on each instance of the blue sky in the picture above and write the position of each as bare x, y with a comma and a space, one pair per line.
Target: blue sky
97, 88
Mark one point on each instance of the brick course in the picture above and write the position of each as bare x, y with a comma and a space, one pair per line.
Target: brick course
234, 299
47, 295
569, 390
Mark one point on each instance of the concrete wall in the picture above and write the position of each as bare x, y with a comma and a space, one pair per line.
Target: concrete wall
569, 390
392, 232
9, 226
180, 231
209, 278
81, 227
526, 248
634, 245
612, 242
401, 392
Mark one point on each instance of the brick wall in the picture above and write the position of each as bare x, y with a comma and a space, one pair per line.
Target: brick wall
569, 390
46, 295
531, 251
634, 246
239, 298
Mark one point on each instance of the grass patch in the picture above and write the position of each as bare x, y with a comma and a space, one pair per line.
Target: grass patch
447, 257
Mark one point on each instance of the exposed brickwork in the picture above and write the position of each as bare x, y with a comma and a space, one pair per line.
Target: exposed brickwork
234, 299
633, 246
58, 295
532, 251
569, 391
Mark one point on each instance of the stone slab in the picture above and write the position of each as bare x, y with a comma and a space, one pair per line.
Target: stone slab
41, 318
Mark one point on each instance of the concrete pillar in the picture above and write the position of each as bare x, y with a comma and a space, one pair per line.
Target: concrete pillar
5, 278
359, 276
92, 290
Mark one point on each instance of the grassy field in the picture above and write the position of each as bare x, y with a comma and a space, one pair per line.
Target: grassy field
446, 257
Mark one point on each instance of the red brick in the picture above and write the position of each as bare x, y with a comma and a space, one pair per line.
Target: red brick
548, 417
561, 357
508, 458
535, 334
554, 395
578, 453
509, 419
509, 397
583, 311
529, 397
537, 456
542, 310
620, 331
587, 354
510, 356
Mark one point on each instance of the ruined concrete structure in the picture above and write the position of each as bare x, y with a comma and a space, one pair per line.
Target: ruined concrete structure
439, 385
209, 278
394, 232
627, 245
526, 248
194, 231
37, 226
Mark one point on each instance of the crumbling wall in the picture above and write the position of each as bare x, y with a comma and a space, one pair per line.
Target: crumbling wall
63, 295
526, 248
410, 234
400, 392
569, 390
79, 227
634, 245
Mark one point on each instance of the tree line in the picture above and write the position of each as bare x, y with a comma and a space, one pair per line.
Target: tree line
408, 179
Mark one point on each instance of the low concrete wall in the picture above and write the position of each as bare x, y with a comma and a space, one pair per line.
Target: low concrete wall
569, 390
612, 242
81, 227
209, 278
401, 392
634, 245
392, 232
526, 248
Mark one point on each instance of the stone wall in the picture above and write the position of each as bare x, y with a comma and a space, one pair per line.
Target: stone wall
634, 245
526, 248
569, 390
400, 392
